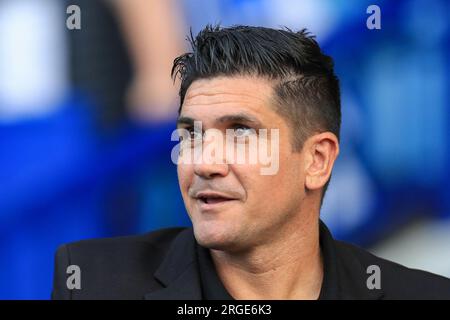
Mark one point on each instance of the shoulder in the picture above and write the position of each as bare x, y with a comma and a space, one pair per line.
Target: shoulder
397, 281
108, 250
124, 265
153, 241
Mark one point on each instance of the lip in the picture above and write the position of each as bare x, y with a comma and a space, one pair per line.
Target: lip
204, 206
213, 206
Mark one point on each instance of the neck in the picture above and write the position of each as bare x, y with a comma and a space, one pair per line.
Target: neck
288, 267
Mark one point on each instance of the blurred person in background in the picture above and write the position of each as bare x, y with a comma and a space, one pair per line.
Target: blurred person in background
153, 31
120, 54
84, 117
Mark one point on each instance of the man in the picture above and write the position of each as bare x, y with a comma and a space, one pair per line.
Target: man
255, 235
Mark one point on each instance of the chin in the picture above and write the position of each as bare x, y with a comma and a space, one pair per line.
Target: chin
214, 236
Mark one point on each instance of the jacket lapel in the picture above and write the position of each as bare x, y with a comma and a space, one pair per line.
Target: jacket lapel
178, 273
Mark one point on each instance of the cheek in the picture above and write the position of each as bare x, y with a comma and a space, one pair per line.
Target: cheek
285, 185
185, 174
292, 177
259, 188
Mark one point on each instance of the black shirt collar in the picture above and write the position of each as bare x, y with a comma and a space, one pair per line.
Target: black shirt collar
330, 285
212, 286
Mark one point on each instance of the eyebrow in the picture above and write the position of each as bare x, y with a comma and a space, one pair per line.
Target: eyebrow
185, 120
238, 117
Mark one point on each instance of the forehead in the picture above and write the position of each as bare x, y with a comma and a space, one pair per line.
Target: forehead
221, 95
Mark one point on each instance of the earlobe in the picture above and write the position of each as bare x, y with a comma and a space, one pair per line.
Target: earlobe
323, 151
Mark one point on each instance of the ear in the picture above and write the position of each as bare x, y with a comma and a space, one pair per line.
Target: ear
321, 150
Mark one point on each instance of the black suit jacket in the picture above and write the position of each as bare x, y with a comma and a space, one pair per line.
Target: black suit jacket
163, 265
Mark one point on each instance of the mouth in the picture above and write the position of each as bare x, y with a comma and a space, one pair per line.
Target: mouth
212, 200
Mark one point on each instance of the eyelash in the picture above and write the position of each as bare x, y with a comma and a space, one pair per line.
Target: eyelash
238, 126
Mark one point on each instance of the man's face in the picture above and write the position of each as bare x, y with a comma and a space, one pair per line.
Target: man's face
232, 205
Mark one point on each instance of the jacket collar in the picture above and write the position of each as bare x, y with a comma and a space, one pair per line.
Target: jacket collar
178, 273
344, 275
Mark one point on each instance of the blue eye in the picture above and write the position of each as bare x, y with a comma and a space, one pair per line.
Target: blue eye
242, 131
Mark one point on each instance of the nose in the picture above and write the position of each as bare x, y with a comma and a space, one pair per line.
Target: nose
212, 162
211, 170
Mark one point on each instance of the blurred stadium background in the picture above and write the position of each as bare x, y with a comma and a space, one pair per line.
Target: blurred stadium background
78, 159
